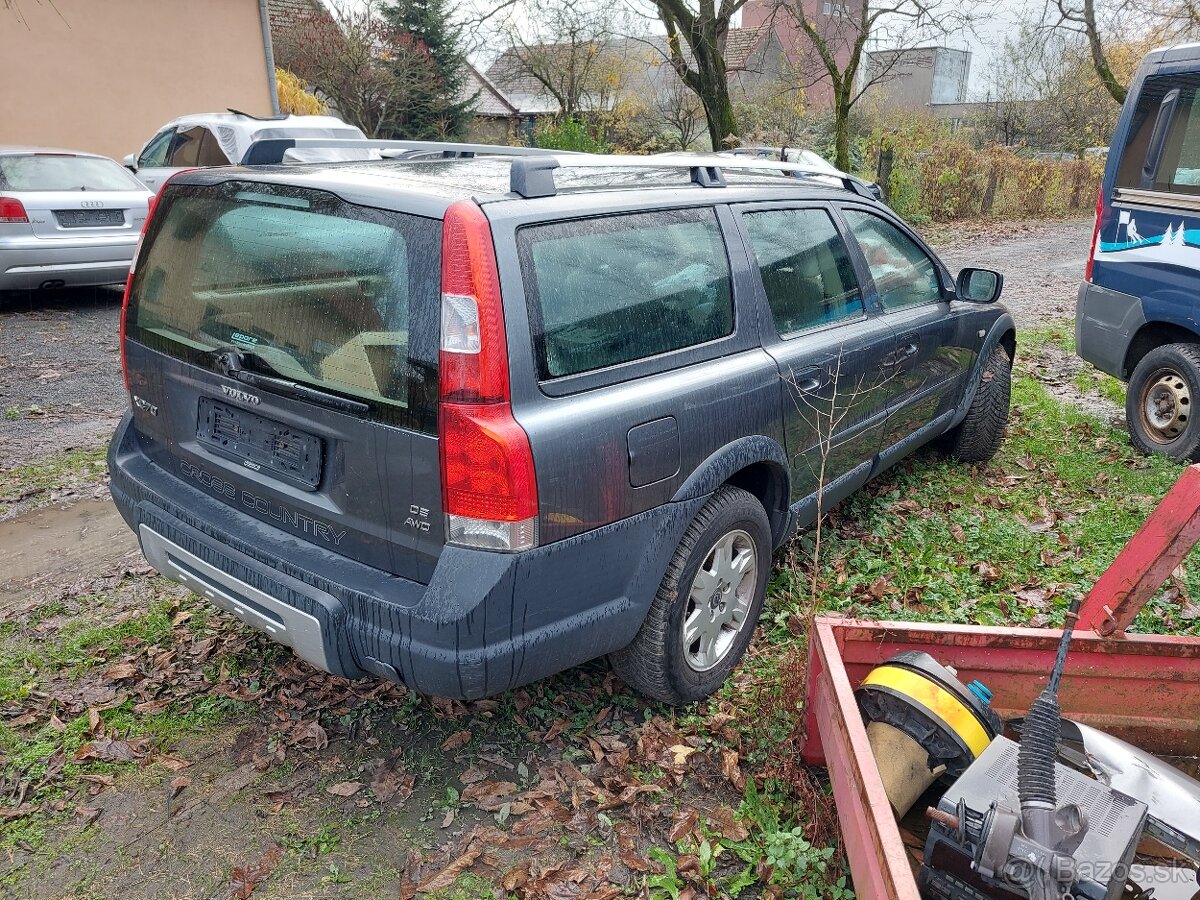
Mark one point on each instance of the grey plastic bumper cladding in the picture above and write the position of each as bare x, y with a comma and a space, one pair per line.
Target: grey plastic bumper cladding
1105, 323
485, 623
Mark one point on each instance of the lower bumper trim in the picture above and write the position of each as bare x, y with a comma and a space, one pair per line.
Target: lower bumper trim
282, 622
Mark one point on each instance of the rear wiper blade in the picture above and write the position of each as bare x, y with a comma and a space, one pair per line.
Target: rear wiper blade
231, 361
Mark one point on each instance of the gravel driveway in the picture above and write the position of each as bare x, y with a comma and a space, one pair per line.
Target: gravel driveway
60, 370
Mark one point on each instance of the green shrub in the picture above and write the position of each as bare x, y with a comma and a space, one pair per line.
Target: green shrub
568, 134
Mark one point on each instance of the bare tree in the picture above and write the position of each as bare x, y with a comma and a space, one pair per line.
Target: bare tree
839, 42
564, 46
702, 27
365, 68
677, 107
1111, 28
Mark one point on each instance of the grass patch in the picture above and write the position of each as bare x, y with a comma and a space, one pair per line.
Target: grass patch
1010, 543
53, 473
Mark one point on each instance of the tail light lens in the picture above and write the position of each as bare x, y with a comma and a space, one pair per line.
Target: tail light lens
12, 211
151, 204
489, 491
1091, 261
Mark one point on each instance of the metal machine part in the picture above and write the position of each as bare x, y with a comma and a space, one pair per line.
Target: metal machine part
976, 848
1172, 796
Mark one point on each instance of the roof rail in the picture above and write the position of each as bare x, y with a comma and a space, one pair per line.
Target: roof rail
270, 151
535, 177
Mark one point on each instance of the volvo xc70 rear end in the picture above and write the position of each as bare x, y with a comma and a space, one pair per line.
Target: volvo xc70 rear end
322, 441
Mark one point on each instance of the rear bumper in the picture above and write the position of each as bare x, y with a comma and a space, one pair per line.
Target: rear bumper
30, 264
1105, 323
486, 622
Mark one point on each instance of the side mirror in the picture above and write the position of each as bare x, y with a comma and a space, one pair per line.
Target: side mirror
130, 162
980, 285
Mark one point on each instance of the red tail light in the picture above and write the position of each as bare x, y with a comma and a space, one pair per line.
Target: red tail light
1091, 261
12, 211
150, 207
489, 492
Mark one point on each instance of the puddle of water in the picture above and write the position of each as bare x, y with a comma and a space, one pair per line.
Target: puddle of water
57, 539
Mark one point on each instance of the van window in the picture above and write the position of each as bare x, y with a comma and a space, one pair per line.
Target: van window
611, 290
806, 270
320, 291
1179, 165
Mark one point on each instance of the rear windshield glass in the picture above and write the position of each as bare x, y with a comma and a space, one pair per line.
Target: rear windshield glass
310, 288
64, 173
612, 290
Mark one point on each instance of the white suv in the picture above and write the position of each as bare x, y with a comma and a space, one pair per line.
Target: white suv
222, 139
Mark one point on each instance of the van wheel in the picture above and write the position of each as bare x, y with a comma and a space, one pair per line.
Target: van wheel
1159, 400
707, 606
979, 435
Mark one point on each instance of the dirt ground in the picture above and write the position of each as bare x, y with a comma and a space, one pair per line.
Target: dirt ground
257, 775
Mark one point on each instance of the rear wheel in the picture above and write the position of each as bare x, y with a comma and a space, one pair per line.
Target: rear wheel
707, 606
1159, 402
979, 435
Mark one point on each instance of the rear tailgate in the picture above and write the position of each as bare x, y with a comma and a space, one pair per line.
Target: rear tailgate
281, 350
84, 214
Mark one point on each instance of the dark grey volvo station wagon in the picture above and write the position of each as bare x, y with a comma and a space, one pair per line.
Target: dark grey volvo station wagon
465, 423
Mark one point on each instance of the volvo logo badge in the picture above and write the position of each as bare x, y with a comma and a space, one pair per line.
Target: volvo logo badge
235, 394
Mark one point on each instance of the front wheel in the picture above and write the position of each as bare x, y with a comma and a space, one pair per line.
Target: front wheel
1158, 402
979, 435
707, 606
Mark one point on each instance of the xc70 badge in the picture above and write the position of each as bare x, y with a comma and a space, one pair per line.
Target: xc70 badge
236, 394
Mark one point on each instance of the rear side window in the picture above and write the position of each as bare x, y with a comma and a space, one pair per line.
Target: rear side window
612, 290
805, 268
47, 172
317, 290
1178, 169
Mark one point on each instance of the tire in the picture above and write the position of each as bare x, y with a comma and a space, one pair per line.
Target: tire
660, 662
977, 438
1164, 387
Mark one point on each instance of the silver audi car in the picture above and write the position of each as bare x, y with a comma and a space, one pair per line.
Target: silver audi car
66, 218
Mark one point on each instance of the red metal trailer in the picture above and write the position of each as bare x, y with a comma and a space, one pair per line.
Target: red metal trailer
1144, 689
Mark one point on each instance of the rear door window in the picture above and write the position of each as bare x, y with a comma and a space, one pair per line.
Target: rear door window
805, 267
185, 150
210, 153
318, 290
611, 290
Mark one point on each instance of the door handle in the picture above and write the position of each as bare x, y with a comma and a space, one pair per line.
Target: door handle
809, 381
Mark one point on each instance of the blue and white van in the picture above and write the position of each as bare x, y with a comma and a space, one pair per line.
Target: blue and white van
1138, 316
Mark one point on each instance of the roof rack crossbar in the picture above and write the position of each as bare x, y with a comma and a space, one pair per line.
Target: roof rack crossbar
705, 172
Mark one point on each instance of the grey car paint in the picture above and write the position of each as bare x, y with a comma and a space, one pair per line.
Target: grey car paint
46, 252
653, 439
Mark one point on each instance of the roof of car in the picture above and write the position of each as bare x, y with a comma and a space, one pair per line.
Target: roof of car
23, 150
434, 184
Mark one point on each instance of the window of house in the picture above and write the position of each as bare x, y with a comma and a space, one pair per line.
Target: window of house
805, 268
612, 290
903, 274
